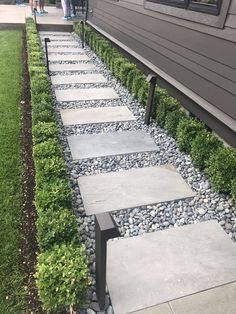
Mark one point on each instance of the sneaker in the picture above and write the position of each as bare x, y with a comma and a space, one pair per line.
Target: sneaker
44, 12
64, 18
69, 18
39, 14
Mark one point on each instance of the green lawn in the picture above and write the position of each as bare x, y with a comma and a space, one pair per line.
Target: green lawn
11, 289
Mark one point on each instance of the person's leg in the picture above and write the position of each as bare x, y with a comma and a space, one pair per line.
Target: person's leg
68, 10
63, 4
73, 7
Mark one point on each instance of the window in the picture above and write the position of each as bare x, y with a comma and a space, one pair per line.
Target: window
204, 6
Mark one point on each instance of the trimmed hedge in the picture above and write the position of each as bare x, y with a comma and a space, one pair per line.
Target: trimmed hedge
221, 169
203, 146
62, 272
62, 277
168, 113
186, 132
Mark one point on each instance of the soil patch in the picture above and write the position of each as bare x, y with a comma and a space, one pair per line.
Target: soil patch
28, 243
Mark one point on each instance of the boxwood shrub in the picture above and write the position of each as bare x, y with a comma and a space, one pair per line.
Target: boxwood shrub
233, 190
203, 146
221, 169
47, 149
44, 131
187, 131
62, 278
56, 227
54, 195
172, 120
166, 105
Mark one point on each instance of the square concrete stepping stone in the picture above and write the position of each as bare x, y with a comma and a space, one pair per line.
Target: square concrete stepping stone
96, 115
68, 57
63, 43
158, 267
77, 94
65, 50
71, 67
218, 300
78, 79
131, 188
109, 144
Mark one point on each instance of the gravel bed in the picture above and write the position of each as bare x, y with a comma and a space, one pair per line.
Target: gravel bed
204, 206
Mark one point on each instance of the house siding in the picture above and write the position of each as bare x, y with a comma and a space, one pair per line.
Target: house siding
200, 57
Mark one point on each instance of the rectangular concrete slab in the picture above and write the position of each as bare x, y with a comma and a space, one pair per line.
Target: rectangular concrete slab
71, 67
65, 50
162, 266
44, 33
109, 144
218, 300
96, 115
56, 37
62, 43
68, 57
131, 188
77, 94
78, 79
159, 309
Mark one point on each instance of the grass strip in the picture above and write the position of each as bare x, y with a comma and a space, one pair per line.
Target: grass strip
11, 290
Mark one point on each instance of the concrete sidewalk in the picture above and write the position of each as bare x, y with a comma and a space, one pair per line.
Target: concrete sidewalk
14, 16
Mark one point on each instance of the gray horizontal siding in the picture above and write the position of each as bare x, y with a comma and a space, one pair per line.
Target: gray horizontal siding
205, 88
231, 21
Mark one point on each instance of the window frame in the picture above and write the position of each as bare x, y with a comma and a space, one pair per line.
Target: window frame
180, 11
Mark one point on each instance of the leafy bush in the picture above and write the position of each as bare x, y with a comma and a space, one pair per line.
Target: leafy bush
166, 105
203, 146
62, 278
221, 169
117, 65
54, 195
130, 78
56, 227
138, 81
49, 169
47, 149
187, 131
143, 93
172, 120
44, 131
126, 67
44, 115
39, 84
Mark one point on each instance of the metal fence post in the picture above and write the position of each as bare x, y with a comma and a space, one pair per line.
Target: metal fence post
105, 229
152, 79
46, 41
35, 20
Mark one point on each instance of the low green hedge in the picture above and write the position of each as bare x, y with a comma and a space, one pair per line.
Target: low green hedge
62, 272
186, 132
56, 227
221, 169
203, 146
168, 113
62, 278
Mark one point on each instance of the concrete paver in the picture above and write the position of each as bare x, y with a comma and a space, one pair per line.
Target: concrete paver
131, 188
68, 57
218, 300
72, 67
71, 43
159, 309
109, 144
78, 94
78, 79
56, 49
165, 265
96, 115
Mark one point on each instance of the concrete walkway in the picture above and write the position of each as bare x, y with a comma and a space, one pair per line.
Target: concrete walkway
14, 16
175, 271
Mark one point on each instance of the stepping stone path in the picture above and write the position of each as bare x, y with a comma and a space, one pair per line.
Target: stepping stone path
149, 270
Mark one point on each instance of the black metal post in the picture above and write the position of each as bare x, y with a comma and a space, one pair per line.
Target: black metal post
105, 229
82, 33
46, 41
152, 79
35, 20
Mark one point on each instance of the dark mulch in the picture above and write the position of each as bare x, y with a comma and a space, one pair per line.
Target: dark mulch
28, 243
